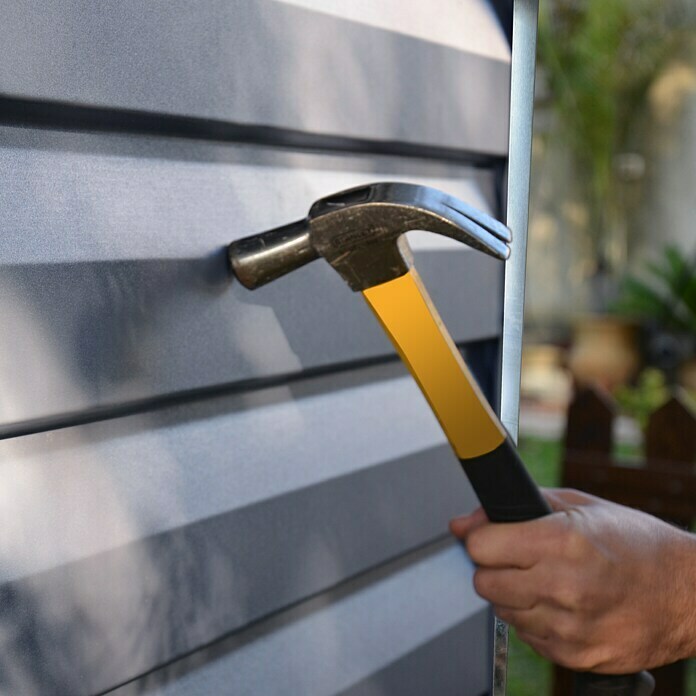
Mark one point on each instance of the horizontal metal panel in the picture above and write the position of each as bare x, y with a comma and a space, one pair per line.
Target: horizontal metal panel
83, 490
268, 63
374, 636
155, 534
115, 285
442, 667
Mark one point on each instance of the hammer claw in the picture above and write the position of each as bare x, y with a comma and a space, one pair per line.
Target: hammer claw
486, 221
471, 232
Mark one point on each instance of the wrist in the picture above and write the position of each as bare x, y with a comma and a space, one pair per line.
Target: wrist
683, 622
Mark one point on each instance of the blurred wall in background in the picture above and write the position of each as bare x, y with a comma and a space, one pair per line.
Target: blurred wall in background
659, 187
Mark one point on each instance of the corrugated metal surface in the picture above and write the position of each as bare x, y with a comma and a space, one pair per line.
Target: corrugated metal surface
246, 484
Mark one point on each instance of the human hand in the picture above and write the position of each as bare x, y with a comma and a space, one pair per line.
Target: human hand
595, 586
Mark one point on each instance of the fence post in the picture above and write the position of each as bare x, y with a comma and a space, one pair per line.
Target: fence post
590, 423
670, 437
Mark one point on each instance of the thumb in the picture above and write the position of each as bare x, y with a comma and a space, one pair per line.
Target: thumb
461, 527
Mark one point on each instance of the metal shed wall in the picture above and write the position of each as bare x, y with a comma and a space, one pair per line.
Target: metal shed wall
205, 490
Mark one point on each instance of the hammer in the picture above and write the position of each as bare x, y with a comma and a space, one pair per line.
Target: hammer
360, 232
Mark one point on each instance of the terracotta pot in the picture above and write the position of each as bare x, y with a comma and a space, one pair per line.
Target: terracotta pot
604, 351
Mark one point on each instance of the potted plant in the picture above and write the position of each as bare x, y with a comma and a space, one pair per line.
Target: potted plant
663, 299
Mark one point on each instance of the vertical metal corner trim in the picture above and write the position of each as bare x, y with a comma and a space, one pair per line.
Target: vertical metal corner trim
524, 35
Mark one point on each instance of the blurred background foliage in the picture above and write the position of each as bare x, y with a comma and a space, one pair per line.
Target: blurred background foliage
600, 58
611, 274
665, 293
614, 148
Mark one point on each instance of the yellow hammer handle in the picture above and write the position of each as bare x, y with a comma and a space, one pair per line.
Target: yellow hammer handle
409, 317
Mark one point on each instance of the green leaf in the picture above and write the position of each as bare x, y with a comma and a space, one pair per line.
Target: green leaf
667, 294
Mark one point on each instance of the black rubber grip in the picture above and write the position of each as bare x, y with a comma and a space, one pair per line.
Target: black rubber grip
508, 493
504, 487
588, 684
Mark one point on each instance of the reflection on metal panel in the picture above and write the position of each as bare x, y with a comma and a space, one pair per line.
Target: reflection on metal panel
156, 534
115, 284
347, 639
259, 62
468, 25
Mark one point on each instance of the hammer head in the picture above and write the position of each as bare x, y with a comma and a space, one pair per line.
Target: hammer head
360, 233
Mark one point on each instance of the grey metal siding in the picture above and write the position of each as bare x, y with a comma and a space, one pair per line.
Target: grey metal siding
114, 277
419, 599
259, 62
225, 510
205, 490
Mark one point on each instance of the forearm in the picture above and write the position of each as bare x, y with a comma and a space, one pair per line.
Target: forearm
683, 620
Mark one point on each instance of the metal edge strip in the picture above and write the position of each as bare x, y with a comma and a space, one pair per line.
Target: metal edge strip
524, 35
56, 115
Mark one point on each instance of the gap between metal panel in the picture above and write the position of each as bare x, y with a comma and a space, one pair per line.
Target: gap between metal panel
101, 413
291, 612
55, 115
503, 10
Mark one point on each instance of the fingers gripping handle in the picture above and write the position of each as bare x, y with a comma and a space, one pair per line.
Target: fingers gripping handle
508, 494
